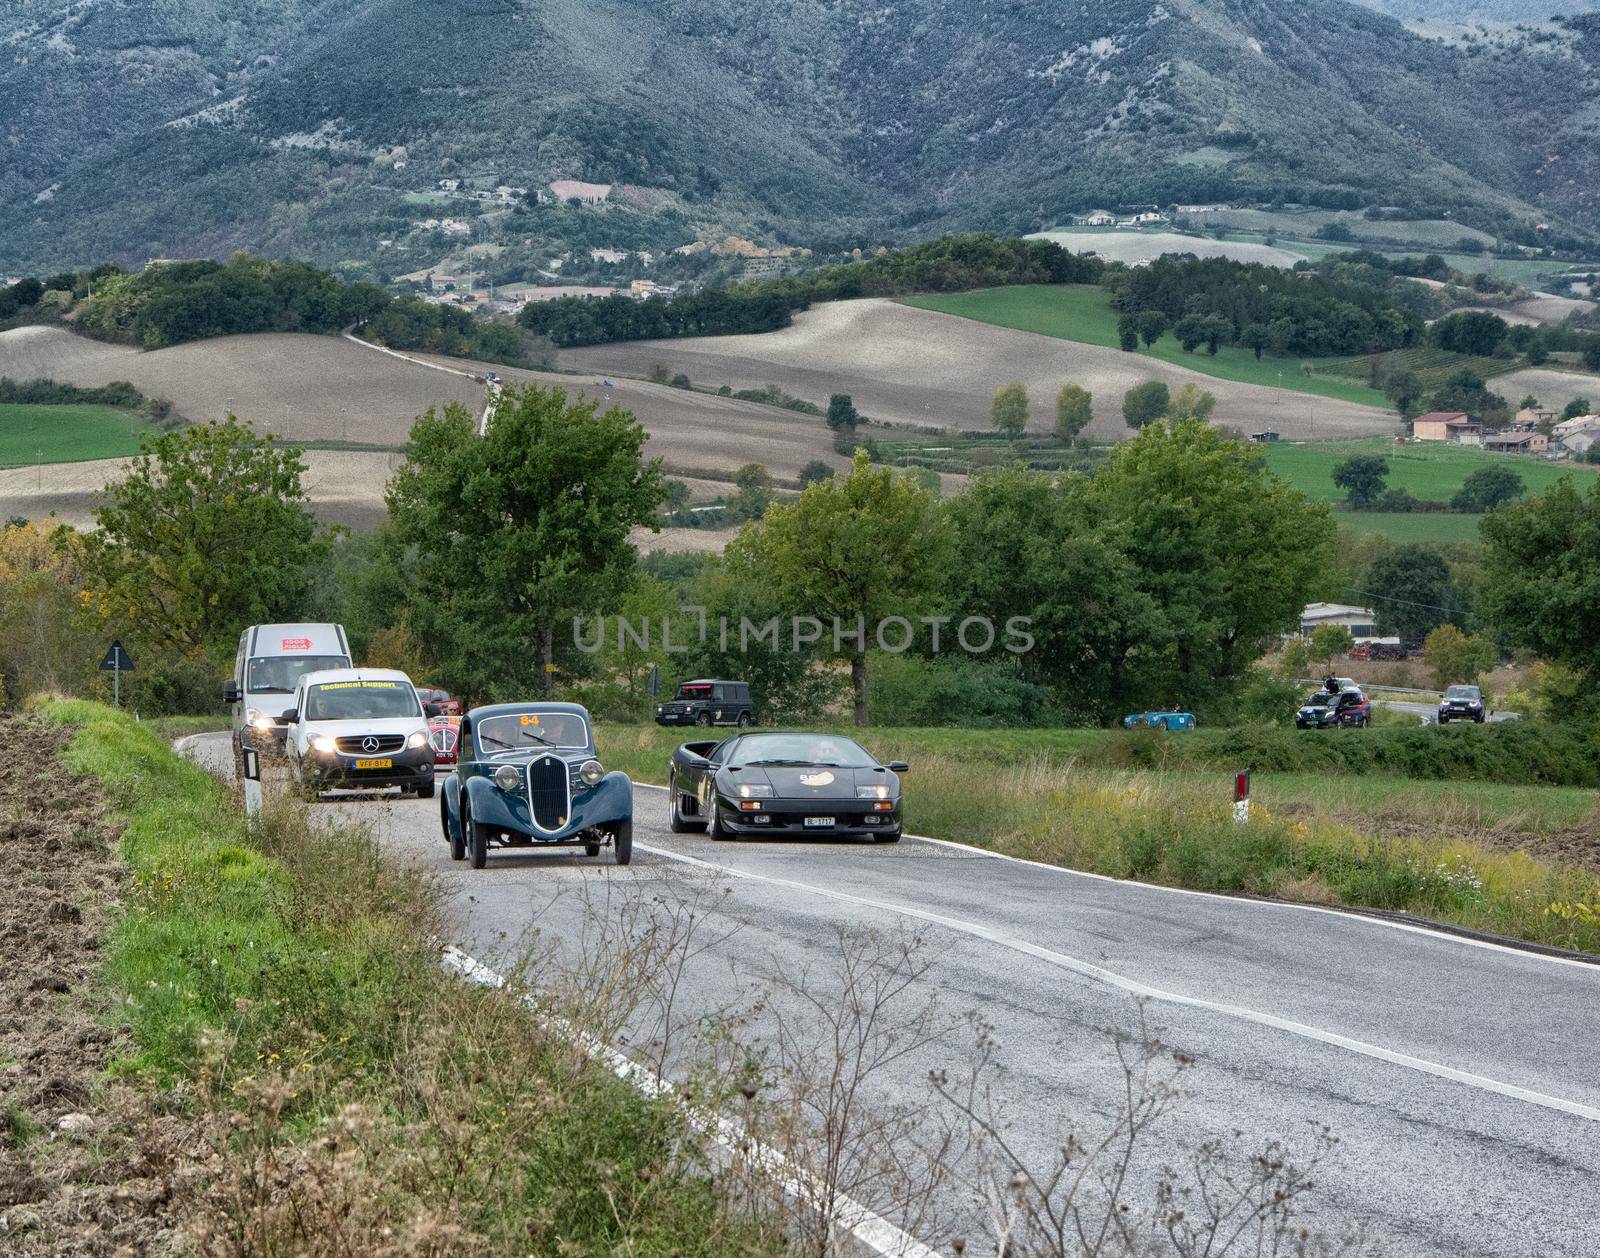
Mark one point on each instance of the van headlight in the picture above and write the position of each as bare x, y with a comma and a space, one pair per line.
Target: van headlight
324, 744
419, 739
591, 773
257, 719
508, 777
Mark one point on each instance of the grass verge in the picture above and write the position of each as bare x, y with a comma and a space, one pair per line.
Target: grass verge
1331, 824
280, 975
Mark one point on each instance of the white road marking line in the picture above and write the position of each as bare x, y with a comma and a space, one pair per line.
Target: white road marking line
872, 1230
1112, 979
1410, 928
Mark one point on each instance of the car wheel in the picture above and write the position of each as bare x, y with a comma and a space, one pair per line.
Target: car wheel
703, 720
458, 844
477, 840
717, 829
425, 789
744, 720
622, 842
676, 821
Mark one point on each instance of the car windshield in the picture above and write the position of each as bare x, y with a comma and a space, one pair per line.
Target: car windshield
827, 749
1461, 692
1319, 698
280, 674
361, 700
527, 731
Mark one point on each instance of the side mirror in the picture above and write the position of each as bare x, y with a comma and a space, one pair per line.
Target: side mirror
230, 692
898, 766
289, 717
432, 709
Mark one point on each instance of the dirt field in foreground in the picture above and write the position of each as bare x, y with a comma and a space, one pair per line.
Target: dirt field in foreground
918, 366
83, 1165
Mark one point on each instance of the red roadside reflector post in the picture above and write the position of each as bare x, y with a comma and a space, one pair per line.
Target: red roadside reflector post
1241, 796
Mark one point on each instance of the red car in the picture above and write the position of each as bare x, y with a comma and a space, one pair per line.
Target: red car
444, 732
442, 702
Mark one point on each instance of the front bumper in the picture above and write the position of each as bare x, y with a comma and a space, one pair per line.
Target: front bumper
675, 718
851, 818
407, 767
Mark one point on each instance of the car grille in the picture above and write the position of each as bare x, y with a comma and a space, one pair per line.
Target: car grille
548, 784
443, 740
370, 744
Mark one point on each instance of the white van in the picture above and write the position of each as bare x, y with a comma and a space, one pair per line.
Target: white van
269, 665
359, 727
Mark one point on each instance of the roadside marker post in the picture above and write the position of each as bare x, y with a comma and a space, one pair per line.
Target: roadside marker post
117, 662
1241, 797
250, 768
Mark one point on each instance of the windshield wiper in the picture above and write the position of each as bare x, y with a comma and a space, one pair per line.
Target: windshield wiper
756, 764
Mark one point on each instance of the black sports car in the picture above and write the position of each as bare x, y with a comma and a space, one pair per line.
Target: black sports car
789, 784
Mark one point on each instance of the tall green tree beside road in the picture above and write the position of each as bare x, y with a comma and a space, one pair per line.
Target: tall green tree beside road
518, 531
1457, 657
1010, 409
1362, 478
1413, 591
209, 532
1540, 585
755, 492
857, 548
1145, 403
1074, 410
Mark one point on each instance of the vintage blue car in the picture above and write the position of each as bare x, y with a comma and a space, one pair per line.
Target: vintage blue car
1159, 720
526, 776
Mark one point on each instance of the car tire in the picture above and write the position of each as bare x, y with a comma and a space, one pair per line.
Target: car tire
716, 829
425, 789
744, 720
703, 720
676, 821
458, 845
477, 840
622, 842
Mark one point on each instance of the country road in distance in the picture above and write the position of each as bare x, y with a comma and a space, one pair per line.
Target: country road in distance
1457, 1077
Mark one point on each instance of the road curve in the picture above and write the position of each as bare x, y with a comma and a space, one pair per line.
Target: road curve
1458, 1076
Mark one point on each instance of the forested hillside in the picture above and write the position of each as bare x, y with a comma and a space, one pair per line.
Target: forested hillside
321, 129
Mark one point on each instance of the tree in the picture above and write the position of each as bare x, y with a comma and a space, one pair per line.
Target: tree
674, 496
1255, 338
1591, 353
881, 542
1190, 331
1329, 642
842, 412
1413, 591
518, 531
1456, 657
1214, 331
1074, 410
208, 533
1540, 583
814, 471
1145, 403
1362, 477
1010, 410
1474, 332
1579, 406
1128, 332
1280, 336
755, 492
1487, 488
51, 634
1152, 323
1191, 403
1404, 388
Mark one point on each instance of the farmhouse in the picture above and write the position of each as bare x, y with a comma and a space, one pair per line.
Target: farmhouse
1514, 442
1095, 218
1575, 436
1452, 426
1362, 622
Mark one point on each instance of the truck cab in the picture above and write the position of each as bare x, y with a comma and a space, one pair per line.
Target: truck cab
267, 668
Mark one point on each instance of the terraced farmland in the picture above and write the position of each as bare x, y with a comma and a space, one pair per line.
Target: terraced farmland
1432, 366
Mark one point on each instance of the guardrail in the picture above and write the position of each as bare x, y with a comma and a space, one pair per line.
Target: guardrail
1375, 685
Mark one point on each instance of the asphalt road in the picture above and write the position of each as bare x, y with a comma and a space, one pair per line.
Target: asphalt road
1428, 713
1458, 1077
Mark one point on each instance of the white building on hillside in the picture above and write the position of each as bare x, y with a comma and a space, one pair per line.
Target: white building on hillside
1362, 622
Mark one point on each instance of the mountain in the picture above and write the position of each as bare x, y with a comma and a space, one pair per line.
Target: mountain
321, 128
1480, 10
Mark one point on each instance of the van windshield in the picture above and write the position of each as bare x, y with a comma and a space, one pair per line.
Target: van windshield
361, 700
280, 674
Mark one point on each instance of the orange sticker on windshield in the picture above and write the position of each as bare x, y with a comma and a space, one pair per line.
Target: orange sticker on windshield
529, 720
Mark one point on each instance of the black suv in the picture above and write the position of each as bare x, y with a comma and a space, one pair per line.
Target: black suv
707, 703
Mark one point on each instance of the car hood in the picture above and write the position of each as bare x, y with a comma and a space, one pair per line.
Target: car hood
805, 782
357, 727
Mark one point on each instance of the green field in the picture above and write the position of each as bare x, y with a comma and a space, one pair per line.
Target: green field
66, 434
1433, 470
1080, 312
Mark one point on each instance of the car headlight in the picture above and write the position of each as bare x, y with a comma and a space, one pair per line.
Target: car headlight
419, 739
754, 790
591, 772
872, 792
257, 719
323, 744
508, 777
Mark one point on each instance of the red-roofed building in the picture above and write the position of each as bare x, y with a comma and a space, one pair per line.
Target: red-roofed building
1447, 426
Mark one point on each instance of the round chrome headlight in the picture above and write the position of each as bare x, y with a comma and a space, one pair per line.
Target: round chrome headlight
591, 773
507, 778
